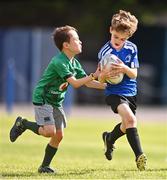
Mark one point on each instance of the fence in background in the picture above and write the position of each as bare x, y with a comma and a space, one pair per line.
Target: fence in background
24, 53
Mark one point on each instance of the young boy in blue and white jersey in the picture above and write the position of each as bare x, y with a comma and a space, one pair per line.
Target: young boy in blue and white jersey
122, 97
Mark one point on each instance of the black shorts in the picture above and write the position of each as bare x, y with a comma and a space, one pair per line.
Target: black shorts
115, 100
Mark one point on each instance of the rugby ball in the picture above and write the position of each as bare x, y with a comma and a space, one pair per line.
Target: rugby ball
108, 60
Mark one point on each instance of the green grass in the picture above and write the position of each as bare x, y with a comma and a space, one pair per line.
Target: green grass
81, 154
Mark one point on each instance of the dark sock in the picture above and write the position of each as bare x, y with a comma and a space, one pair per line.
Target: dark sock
115, 134
134, 141
49, 154
33, 126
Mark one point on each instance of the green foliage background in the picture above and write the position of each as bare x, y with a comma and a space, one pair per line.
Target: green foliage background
85, 14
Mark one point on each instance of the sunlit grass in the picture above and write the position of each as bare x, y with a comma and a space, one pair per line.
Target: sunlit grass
81, 154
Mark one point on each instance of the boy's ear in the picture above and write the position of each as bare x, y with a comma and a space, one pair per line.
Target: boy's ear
65, 44
111, 29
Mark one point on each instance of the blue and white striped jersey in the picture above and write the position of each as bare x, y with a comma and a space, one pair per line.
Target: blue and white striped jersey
127, 54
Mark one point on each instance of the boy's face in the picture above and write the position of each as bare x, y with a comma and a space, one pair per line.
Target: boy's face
75, 45
118, 38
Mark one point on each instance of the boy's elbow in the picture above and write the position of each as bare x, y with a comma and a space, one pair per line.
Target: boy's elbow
74, 83
76, 86
134, 76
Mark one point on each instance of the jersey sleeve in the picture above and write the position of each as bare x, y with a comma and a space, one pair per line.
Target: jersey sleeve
103, 50
99, 55
63, 70
80, 73
135, 61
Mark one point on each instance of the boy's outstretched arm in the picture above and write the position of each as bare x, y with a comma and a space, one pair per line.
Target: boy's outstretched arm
76, 83
96, 85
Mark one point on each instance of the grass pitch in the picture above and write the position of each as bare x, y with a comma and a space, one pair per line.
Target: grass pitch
81, 154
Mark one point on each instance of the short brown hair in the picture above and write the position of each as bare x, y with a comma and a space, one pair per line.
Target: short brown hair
61, 35
124, 21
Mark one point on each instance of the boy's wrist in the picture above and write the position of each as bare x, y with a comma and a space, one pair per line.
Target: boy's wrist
92, 76
101, 77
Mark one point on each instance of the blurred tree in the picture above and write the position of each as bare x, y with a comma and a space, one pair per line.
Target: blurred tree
87, 15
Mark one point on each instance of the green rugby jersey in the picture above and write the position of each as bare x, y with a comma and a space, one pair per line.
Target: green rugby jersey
52, 86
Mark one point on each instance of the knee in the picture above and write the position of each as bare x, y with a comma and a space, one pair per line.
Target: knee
59, 136
131, 121
50, 132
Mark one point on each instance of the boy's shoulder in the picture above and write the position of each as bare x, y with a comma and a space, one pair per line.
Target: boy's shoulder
106, 45
58, 58
61, 60
104, 48
130, 45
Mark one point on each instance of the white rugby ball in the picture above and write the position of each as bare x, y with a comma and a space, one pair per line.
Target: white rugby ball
108, 60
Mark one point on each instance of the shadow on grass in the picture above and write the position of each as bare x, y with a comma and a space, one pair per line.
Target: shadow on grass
86, 172
72, 172
18, 174
81, 172
77, 172
160, 169
69, 173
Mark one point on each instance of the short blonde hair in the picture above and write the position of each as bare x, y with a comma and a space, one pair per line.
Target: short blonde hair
125, 22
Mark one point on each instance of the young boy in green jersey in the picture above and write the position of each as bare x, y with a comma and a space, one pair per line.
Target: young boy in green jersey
49, 93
